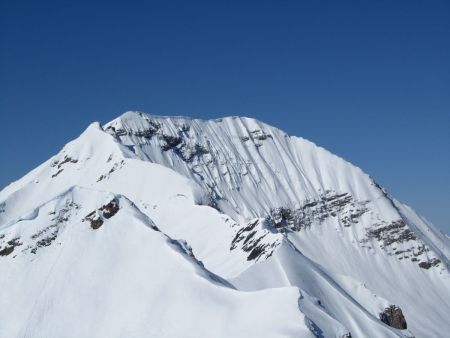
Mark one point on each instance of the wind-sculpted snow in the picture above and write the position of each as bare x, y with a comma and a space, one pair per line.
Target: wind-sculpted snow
170, 226
126, 278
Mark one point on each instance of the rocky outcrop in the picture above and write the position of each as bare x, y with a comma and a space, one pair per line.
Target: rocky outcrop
343, 207
9, 248
110, 209
393, 316
397, 239
96, 217
255, 240
432, 262
395, 232
180, 143
49, 234
58, 164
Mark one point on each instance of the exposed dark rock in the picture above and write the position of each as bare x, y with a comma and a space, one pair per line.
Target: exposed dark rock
260, 135
395, 232
339, 205
188, 153
117, 132
43, 231
432, 262
107, 211
177, 143
67, 159
94, 219
393, 317
46, 241
250, 241
110, 209
256, 135
398, 232
113, 169
96, 223
147, 133
47, 235
57, 173
240, 234
6, 251
10, 247
245, 138
170, 142
185, 128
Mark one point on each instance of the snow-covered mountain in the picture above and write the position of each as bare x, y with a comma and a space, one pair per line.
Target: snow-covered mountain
177, 227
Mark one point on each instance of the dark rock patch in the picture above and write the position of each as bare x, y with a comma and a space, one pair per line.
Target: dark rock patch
57, 173
170, 142
188, 153
394, 232
116, 166
67, 159
240, 234
256, 135
250, 241
245, 138
10, 247
6, 251
343, 206
146, 133
260, 135
96, 223
398, 232
110, 209
393, 316
46, 236
117, 132
46, 241
43, 231
432, 262
94, 219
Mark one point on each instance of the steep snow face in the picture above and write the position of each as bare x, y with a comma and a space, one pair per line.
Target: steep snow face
252, 170
247, 166
249, 205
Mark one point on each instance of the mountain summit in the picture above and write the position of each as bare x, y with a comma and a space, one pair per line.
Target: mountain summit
179, 227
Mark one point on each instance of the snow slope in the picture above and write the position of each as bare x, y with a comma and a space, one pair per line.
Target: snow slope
124, 278
220, 224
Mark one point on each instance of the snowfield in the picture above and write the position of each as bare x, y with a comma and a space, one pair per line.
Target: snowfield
155, 226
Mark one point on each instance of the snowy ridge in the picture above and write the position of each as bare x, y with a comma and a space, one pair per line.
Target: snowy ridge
267, 220
137, 260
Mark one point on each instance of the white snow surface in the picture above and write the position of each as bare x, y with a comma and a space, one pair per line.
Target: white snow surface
176, 227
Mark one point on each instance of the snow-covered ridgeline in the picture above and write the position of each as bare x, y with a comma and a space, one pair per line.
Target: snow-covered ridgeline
256, 207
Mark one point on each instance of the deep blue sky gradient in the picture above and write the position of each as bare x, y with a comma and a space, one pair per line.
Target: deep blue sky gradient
368, 80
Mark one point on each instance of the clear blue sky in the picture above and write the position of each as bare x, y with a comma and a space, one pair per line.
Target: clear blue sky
369, 80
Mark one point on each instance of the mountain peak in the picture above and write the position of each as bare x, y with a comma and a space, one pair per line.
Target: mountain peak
253, 208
